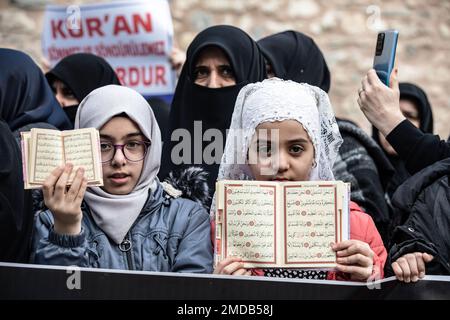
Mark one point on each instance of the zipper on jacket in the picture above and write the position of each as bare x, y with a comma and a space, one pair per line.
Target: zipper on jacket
125, 246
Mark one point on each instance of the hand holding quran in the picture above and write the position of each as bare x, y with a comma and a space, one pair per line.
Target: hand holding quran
43, 150
63, 164
65, 202
282, 224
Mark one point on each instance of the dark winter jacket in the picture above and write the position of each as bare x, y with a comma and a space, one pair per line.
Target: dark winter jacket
416, 148
424, 201
362, 163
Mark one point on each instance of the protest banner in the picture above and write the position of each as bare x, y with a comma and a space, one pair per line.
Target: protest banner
135, 37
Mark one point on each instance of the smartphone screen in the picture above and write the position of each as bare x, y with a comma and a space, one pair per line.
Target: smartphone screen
384, 59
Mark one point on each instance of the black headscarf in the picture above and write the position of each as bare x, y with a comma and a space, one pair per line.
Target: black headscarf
25, 96
16, 215
295, 56
412, 92
213, 106
82, 73
161, 109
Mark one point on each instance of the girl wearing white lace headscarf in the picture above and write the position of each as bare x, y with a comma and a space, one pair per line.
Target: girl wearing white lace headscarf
300, 118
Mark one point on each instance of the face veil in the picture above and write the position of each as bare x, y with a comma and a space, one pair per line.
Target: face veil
212, 106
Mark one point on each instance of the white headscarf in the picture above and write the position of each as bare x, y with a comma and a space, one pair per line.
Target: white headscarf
277, 100
115, 214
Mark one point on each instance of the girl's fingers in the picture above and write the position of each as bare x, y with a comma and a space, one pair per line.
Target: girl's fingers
81, 192
420, 264
427, 257
351, 247
76, 184
403, 263
60, 187
397, 271
412, 263
49, 183
360, 273
225, 262
240, 272
356, 259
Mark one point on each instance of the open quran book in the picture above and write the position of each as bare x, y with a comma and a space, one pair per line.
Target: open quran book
281, 224
43, 150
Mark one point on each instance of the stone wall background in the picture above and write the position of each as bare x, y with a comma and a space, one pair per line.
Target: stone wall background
345, 30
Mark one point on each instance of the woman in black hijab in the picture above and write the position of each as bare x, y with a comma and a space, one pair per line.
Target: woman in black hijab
292, 55
416, 108
26, 99
75, 76
16, 214
207, 92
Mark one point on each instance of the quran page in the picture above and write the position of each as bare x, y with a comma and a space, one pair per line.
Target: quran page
43, 150
281, 224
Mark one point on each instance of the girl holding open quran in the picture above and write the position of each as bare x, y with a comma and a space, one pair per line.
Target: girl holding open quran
305, 148
133, 221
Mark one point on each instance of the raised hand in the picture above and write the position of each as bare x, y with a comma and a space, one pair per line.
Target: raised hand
63, 202
380, 104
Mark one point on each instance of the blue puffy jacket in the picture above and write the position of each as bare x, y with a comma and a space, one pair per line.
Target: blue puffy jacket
170, 234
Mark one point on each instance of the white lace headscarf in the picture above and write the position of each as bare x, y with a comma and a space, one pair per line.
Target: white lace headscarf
277, 100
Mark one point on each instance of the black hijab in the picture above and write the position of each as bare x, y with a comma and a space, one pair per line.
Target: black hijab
213, 106
161, 109
16, 215
25, 96
82, 73
408, 91
295, 56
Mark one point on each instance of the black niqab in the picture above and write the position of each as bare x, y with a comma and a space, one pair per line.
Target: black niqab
82, 73
295, 56
213, 106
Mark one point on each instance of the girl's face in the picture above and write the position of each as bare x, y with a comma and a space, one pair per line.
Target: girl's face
63, 94
290, 158
213, 70
120, 175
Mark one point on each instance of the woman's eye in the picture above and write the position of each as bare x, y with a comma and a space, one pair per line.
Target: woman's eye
264, 150
200, 72
227, 72
68, 93
105, 146
133, 144
296, 149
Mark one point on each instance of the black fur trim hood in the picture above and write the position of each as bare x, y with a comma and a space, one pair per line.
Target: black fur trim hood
193, 184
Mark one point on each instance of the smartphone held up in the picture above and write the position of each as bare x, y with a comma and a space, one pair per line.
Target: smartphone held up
384, 59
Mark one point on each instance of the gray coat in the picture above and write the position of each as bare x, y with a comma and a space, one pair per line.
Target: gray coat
171, 235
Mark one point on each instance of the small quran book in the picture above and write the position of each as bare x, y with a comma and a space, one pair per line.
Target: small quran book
43, 150
281, 224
